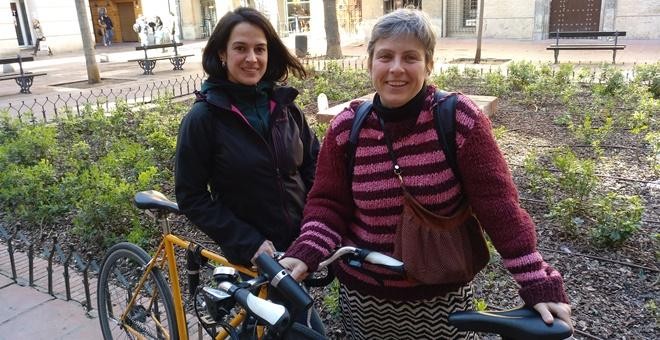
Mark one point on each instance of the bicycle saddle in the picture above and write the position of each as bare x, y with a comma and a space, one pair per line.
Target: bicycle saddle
153, 199
519, 323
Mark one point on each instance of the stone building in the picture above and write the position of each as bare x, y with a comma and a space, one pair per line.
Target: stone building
195, 19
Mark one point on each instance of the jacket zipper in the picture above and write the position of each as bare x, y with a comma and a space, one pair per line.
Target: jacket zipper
275, 157
279, 175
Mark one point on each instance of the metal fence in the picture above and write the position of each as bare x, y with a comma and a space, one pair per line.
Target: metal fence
52, 107
464, 66
65, 274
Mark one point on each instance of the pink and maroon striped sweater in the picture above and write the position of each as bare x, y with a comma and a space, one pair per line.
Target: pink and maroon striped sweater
365, 213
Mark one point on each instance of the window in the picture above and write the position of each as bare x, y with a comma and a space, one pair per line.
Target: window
469, 13
298, 15
391, 5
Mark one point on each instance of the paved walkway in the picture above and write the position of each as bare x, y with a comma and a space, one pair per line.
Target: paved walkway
65, 82
64, 69
31, 313
27, 313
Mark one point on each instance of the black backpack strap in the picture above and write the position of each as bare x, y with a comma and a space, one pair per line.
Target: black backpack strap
361, 114
445, 126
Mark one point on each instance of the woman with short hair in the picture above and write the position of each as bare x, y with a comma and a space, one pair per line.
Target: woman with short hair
399, 161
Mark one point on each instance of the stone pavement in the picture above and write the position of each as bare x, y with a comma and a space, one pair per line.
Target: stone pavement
26, 313
31, 313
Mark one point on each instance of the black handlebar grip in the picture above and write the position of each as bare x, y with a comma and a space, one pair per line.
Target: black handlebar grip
283, 282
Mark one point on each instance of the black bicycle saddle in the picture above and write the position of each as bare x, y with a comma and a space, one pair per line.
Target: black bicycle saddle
519, 323
153, 199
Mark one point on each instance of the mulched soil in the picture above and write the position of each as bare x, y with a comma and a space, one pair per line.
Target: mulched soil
614, 292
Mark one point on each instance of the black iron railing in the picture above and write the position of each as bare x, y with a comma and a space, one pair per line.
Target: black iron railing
51, 108
68, 275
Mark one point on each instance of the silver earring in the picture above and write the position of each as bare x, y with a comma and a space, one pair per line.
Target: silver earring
223, 63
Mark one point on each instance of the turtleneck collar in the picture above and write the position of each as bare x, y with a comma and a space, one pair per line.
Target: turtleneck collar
252, 101
409, 110
261, 88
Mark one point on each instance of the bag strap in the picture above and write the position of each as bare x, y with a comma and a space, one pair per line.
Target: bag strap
444, 117
360, 116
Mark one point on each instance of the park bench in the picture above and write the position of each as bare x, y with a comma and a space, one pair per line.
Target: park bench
615, 46
148, 63
22, 78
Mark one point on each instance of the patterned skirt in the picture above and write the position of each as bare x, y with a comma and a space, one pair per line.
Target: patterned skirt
365, 317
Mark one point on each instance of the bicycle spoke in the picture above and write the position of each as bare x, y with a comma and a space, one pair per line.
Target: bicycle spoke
128, 313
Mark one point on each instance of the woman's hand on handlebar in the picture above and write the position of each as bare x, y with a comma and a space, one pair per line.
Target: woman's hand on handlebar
550, 309
266, 247
297, 268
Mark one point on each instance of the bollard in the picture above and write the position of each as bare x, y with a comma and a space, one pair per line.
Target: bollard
10, 249
50, 267
67, 284
88, 299
31, 264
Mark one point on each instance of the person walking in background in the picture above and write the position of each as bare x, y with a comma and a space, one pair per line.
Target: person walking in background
107, 28
245, 156
39, 37
401, 181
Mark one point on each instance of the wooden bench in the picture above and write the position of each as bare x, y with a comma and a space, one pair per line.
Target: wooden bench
148, 63
587, 46
22, 78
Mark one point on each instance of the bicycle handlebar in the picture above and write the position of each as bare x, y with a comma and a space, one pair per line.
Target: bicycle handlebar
520, 323
283, 282
271, 313
356, 258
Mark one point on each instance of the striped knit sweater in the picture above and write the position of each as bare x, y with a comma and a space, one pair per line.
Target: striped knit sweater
366, 215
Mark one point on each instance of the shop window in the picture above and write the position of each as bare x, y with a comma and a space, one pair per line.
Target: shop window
469, 13
298, 15
391, 5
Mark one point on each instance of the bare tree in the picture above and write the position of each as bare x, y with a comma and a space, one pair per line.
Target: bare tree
93, 75
333, 42
477, 56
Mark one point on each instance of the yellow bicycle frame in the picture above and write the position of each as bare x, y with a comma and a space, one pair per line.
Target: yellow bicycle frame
165, 256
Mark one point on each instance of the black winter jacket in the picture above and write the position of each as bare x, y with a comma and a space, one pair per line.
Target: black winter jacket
238, 187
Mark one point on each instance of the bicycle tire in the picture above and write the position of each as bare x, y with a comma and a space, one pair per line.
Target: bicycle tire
121, 271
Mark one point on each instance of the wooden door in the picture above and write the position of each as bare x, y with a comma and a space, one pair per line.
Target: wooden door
574, 15
126, 21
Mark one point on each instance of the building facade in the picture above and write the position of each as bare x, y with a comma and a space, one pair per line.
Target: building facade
195, 19
532, 20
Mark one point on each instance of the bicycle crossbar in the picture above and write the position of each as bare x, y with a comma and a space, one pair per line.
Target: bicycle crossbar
165, 253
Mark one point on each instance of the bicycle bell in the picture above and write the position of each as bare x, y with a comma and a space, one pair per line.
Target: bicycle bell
222, 274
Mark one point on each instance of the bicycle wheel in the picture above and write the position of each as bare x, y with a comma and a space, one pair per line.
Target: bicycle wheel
152, 316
